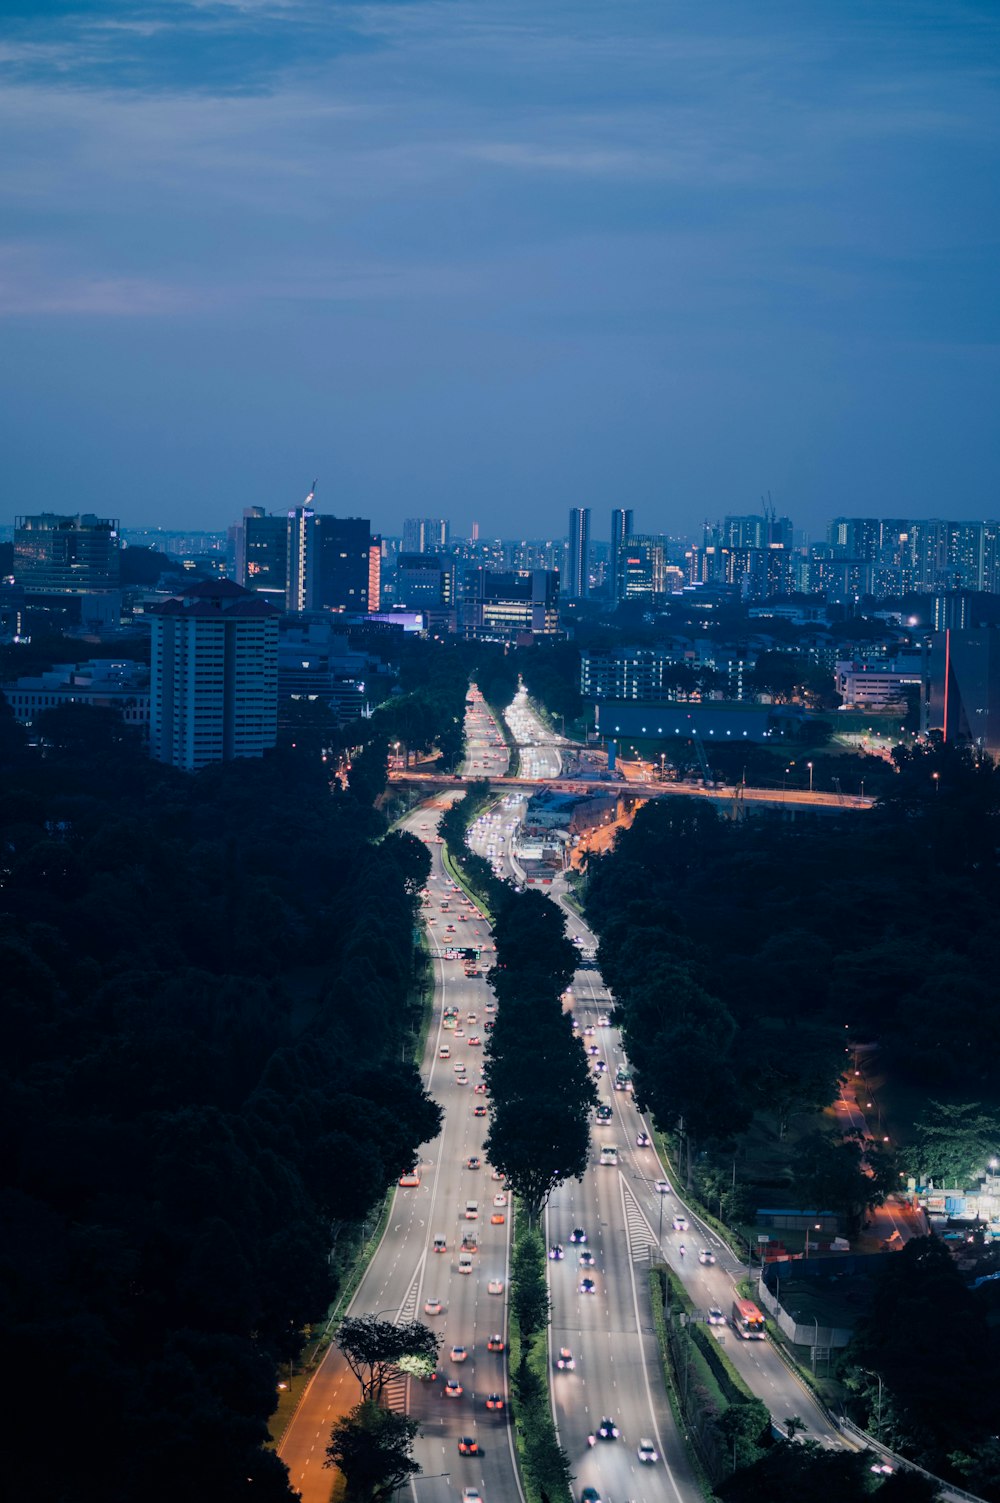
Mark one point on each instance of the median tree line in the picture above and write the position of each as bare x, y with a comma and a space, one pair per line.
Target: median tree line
206, 984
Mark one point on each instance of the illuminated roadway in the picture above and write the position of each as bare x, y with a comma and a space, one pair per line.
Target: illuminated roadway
405, 1271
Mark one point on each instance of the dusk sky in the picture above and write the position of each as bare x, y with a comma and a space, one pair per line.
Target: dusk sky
489, 259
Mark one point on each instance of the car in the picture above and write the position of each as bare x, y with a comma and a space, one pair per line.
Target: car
440, 1244
459, 1031
577, 1235
498, 1218
592, 1049
590, 1495
410, 1180
646, 1451
468, 1445
471, 1210
607, 1429
461, 1080
565, 1360
470, 1017
589, 1031
495, 1286
604, 1021
488, 1025
453, 1389
479, 1110
706, 1256
491, 1007
432, 1307
557, 1252
471, 1495
479, 1089
459, 1353
500, 1199
600, 1065
642, 1140
495, 1174
680, 1224
715, 1316
586, 1286
494, 1401
444, 1052
586, 1259
662, 1187
473, 1161
475, 1042
496, 1343
459, 1066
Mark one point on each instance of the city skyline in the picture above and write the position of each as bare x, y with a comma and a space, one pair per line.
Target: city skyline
483, 262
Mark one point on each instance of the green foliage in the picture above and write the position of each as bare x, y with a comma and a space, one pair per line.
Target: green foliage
545, 1465
837, 1174
955, 1143
205, 997
377, 1350
529, 1290
927, 1338
373, 1447
793, 1470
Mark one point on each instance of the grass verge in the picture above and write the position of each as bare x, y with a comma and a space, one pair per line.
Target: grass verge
670, 1378
513, 751
543, 1463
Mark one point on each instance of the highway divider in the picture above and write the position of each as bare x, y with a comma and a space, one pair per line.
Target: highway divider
545, 1473
726, 1426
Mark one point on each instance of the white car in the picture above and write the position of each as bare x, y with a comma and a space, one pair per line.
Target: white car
471, 1495
499, 1200
716, 1317
680, 1223
495, 1286
432, 1307
646, 1451
706, 1256
662, 1187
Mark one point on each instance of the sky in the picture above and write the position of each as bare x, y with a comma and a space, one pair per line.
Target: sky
491, 259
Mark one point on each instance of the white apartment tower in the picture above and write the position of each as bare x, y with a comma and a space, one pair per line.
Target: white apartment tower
214, 676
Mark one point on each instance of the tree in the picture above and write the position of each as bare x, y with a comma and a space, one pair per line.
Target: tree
835, 1174
955, 1143
373, 1447
537, 1143
528, 1288
377, 1350
793, 1470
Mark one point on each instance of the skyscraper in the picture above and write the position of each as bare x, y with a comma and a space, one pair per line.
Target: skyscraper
424, 534
213, 676
330, 564
262, 554
622, 527
578, 554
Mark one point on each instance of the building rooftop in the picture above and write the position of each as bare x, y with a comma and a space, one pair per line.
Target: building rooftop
215, 597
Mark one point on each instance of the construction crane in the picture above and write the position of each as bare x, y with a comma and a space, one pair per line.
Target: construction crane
702, 760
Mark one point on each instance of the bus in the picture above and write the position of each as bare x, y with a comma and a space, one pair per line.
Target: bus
747, 1320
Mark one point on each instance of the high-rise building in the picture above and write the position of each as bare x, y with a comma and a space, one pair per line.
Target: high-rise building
964, 693
262, 554
425, 580
578, 554
642, 569
213, 676
753, 532
67, 555
854, 537
621, 528
509, 603
425, 534
329, 562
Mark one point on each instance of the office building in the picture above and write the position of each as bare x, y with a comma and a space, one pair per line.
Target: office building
621, 528
262, 554
425, 581
642, 570
425, 534
214, 676
66, 555
507, 604
332, 563
963, 700
880, 684
106, 683
578, 554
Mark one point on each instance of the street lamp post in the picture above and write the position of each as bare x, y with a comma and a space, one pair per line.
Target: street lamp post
810, 767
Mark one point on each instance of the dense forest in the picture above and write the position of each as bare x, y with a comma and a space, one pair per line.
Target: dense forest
207, 1019
744, 956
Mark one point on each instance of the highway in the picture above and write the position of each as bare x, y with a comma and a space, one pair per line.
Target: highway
406, 1272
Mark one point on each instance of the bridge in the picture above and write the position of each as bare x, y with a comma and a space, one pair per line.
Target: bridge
779, 798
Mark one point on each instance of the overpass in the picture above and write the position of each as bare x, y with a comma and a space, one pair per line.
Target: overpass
777, 798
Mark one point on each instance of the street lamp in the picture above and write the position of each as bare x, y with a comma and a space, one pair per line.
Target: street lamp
810, 767
817, 1228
